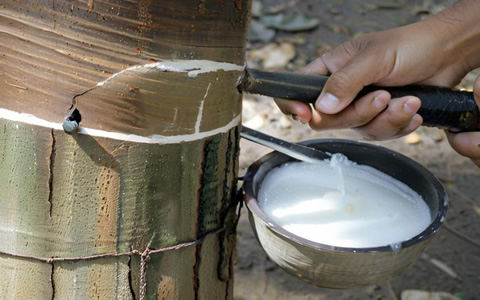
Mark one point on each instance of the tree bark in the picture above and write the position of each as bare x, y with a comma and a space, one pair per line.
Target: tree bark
154, 164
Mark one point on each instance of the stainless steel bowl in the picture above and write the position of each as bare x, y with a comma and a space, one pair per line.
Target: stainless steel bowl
340, 267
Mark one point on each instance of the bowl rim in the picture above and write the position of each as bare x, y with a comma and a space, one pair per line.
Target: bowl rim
254, 208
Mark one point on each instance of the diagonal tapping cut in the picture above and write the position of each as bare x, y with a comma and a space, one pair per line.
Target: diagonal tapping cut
191, 67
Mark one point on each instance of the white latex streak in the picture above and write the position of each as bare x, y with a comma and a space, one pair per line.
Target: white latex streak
153, 139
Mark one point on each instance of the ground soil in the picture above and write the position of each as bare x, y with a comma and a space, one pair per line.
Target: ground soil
455, 246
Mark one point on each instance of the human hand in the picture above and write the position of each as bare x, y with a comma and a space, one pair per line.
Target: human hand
405, 55
468, 143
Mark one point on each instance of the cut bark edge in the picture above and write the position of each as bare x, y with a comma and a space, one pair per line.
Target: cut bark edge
191, 67
153, 139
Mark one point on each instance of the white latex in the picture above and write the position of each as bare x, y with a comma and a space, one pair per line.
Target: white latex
343, 204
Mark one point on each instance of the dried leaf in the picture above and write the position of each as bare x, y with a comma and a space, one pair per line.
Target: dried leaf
413, 138
441, 265
297, 39
90, 5
274, 56
284, 122
476, 208
256, 122
444, 267
250, 115
257, 8
339, 29
437, 136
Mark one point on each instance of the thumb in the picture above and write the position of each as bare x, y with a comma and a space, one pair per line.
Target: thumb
363, 69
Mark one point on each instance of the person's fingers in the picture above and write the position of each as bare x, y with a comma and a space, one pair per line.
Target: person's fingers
468, 143
339, 56
357, 114
332, 60
398, 119
476, 90
299, 110
365, 68
415, 122
316, 67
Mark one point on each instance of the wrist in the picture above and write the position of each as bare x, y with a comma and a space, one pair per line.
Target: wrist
458, 31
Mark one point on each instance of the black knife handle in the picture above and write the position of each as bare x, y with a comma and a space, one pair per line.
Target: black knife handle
441, 107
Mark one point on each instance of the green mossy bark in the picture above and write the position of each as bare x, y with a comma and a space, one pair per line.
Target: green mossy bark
111, 196
78, 195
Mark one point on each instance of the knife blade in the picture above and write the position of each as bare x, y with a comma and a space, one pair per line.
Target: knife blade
297, 151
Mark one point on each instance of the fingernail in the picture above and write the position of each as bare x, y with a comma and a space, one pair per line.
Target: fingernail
327, 102
296, 118
408, 109
303, 121
379, 103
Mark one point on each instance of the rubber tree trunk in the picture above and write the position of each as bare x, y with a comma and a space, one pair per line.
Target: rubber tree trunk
153, 165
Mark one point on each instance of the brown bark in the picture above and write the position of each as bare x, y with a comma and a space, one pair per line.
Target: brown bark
83, 194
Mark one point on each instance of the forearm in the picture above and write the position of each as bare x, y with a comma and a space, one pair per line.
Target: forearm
458, 28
